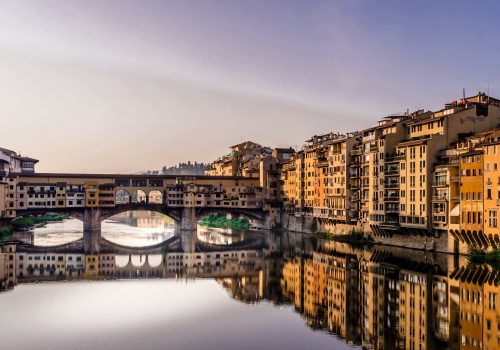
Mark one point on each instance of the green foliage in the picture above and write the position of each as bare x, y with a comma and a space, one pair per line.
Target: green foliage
5, 233
219, 221
479, 256
26, 222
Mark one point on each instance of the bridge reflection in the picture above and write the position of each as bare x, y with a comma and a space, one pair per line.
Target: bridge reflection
377, 298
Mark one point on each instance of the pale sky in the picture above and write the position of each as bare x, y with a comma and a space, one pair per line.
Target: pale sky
123, 86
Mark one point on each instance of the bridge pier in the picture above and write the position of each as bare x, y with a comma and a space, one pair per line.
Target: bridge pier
92, 230
188, 219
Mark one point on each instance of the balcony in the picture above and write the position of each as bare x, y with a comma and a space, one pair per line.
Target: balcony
392, 209
395, 158
454, 178
392, 184
354, 198
391, 171
369, 138
440, 183
439, 211
391, 198
440, 197
356, 152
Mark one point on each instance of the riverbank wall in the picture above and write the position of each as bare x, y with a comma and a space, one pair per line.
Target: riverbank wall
312, 225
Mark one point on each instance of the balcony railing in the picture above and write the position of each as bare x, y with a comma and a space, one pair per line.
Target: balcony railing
391, 184
391, 171
368, 138
440, 197
393, 198
437, 183
395, 158
392, 209
441, 211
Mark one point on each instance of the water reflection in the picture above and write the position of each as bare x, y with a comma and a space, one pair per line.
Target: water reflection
222, 237
379, 298
138, 228
132, 228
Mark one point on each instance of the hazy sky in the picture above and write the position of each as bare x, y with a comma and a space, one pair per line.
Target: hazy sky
121, 86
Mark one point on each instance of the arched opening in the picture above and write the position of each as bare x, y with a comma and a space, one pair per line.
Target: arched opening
122, 197
53, 234
121, 261
139, 197
138, 260
155, 197
155, 260
492, 241
138, 228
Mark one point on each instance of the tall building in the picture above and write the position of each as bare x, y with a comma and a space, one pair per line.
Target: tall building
427, 136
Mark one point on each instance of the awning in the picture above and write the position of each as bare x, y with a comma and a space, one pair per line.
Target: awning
455, 211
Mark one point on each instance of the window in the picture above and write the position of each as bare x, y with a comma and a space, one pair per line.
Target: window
492, 301
493, 218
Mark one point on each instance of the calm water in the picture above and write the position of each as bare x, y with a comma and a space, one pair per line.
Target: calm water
134, 228
239, 290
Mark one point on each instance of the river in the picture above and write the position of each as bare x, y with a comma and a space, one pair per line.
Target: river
238, 290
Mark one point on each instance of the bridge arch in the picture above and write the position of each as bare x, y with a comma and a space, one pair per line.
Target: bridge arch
139, 197
121, 261
122, 197
155, 197
138, 260
155, 260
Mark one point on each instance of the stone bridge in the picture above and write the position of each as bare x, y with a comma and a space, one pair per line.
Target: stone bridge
181, 242
185, 218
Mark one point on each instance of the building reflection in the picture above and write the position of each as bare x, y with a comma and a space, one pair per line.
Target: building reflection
376, 298
383, 298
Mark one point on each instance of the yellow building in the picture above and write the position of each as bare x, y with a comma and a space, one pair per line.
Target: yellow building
471, 195
292, 282
91, 266
414, 309
91, 194
428, 134
491, 191
338, 200
242, 160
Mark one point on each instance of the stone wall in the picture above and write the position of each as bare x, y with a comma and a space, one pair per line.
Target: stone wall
309, 224
429, 243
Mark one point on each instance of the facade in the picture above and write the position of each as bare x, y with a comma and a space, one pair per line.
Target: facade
426, 174
242, 160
